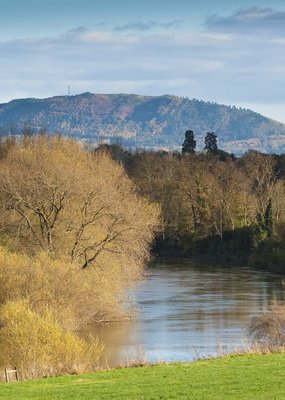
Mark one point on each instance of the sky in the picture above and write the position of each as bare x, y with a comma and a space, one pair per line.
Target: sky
228, 52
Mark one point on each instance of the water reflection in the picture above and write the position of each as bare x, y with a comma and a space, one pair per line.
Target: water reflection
185, 308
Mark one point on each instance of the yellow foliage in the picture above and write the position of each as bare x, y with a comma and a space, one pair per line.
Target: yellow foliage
37, 345
75, 295
83, 211
80, 237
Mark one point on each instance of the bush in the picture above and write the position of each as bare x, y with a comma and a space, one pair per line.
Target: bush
74, 295
38, 346
270, 253
268, 329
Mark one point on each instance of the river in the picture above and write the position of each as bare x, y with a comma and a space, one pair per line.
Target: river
188, 309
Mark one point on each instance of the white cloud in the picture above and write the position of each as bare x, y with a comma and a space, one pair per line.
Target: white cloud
87, 36
221, 64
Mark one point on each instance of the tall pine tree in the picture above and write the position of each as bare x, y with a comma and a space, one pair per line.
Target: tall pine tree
189, 144
268, 217
210, 141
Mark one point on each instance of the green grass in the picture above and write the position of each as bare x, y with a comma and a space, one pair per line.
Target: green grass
238, 377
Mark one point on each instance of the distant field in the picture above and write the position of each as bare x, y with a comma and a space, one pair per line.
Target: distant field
238, 377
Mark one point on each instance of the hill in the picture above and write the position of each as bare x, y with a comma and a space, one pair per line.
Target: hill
157, 122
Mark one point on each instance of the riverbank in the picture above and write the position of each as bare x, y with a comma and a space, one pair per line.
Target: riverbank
220, 258
245, 377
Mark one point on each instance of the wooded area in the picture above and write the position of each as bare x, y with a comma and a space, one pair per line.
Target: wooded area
213, 203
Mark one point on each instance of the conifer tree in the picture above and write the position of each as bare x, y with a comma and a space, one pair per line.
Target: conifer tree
211, 143
268, 217
189, 144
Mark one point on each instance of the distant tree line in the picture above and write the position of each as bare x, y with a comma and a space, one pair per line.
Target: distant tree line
211, 202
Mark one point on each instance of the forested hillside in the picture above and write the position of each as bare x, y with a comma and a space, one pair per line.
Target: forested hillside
143, 121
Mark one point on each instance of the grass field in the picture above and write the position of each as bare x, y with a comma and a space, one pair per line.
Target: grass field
237, 377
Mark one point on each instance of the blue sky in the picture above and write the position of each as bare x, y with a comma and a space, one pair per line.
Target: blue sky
227, 52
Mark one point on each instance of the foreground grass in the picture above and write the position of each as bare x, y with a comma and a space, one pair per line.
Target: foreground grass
237, 377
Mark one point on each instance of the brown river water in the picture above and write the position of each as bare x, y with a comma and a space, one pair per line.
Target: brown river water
188, 309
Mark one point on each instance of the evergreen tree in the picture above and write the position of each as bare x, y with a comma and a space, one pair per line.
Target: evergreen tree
211, 143
264, 226
268, 218
189, 144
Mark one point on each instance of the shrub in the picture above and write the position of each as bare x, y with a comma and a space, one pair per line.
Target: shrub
38, 346
268, 329
75, 295
270, 253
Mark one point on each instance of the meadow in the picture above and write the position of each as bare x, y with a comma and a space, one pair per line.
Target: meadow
242, 377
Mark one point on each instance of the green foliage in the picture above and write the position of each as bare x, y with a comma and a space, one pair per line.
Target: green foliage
224, 155
268, 218
210, 141
236, 244
38, 346
189, 144
279, 168
270, 252
116, 151
264, 226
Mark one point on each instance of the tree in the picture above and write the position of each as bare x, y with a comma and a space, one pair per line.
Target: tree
268, 218
189, 144
58, 198
260, 169
211, 143
116, 151
27, 130
39, 346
